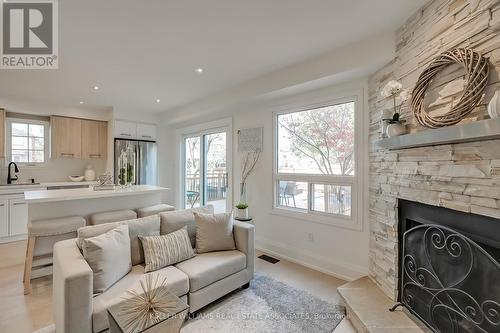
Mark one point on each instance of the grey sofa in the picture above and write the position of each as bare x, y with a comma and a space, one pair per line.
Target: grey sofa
199, 280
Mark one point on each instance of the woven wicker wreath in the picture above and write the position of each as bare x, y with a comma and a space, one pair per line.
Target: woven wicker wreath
477, 69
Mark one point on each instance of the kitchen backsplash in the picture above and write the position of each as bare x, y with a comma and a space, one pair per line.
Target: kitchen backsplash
55, 170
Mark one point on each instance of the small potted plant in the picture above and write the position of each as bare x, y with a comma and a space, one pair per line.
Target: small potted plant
396, 126
242, 212
393, 89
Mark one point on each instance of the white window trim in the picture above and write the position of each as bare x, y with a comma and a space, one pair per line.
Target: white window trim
353, 222
8, 142
203, 129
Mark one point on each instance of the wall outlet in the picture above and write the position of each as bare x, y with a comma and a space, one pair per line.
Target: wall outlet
310, 237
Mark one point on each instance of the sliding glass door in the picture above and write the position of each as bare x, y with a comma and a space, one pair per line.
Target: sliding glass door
205, 170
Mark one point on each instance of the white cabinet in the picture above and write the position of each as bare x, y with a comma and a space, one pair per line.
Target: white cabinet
4, 217
125, 129
18, 217
146, 132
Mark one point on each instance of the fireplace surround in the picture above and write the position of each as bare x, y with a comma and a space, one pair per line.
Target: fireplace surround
449, 268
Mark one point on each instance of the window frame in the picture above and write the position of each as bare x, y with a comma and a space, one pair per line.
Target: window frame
8, 141
354, 221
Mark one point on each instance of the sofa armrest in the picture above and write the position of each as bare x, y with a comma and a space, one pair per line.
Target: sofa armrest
244, 238
72, 289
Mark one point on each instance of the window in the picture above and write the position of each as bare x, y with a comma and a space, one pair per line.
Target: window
316, 162
27, 141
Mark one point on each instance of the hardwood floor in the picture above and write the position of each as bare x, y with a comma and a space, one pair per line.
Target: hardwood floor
24, 314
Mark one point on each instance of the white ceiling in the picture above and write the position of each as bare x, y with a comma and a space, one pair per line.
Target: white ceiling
138, 51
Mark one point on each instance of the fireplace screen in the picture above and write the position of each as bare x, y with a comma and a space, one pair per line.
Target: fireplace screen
449, 282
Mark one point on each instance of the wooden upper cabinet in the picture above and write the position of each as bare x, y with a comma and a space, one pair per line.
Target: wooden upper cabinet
66, 137
2, 133
94, 139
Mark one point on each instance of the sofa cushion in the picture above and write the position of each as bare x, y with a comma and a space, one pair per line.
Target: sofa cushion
177, 283
214, 232
207, 268
173, 221
146, 226
108, 255
165, 250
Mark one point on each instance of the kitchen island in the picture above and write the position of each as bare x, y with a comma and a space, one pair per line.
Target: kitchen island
46, 204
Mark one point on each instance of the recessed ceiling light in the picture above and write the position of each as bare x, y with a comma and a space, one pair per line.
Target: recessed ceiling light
158, 100
95, 87
199, 70
81, 102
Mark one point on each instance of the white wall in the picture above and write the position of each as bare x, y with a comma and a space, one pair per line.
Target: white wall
335, 250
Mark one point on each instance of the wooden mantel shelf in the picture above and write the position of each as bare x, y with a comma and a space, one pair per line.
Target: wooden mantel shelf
477, 131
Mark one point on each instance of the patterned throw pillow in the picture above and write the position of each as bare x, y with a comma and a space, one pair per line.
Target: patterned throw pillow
166, 250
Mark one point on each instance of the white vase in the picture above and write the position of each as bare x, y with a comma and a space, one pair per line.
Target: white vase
89, 174
396, 129
494, 105
242, 214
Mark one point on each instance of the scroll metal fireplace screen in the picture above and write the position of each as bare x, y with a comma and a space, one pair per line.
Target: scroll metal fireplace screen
448, 281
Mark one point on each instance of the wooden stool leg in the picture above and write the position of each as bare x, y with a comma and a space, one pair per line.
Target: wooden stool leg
28, 262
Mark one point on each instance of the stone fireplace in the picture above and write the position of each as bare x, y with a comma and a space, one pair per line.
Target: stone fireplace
462, 177
449, 261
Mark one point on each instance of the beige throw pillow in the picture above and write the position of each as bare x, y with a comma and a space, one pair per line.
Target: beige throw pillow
108, 255
166, 250
214, 232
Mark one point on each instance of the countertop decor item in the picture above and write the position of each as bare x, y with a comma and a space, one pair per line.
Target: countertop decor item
494, 105
76, 178
89, 173
476, 70
152, 306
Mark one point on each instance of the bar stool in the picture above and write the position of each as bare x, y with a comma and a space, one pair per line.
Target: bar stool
58, 228
113, 216
153, 210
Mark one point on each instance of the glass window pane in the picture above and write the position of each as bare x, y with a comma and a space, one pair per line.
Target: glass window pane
36, 143
192, 169
36, 156
317, 141
36, 130
19, 142
19, 156
334, 199
292, 194
20, 129
215, 171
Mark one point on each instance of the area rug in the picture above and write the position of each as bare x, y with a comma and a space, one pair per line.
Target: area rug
267, 306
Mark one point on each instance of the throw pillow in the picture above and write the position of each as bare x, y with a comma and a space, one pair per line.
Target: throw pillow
165, 250
108, 255
146, 226
214, 232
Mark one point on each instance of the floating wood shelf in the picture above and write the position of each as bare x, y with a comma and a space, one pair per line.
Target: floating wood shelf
477, 131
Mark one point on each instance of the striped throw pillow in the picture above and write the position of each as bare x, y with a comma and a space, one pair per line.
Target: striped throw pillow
165, 250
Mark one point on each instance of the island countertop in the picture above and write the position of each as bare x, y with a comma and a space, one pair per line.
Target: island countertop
87, 193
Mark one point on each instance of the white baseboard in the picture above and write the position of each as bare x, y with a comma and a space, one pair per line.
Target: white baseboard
330, 266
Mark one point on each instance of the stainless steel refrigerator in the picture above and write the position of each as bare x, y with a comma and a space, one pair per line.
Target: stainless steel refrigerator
145, 160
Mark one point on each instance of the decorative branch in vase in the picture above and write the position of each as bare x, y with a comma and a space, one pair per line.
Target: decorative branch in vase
394, 89
248, 165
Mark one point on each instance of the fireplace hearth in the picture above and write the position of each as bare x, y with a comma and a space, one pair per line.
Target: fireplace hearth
449, 268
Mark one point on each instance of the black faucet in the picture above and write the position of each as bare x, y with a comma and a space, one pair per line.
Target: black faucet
9, 177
